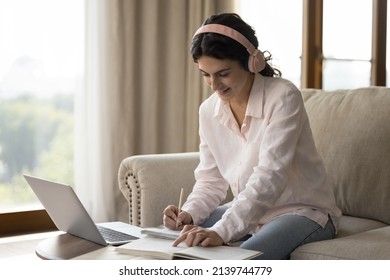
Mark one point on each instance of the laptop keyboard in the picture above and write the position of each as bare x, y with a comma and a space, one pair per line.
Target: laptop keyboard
111, 235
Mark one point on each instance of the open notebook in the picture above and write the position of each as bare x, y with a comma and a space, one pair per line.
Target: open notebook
161, 232
161, 248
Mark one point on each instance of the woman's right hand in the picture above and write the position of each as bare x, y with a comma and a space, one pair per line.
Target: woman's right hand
174, 220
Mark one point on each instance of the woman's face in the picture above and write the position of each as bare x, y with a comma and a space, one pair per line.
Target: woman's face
226, 77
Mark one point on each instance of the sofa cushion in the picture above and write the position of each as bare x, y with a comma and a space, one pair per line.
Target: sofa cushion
350, 225
352, 133
368, 245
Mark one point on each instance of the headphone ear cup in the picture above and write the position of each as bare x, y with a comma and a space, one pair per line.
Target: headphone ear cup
256, 62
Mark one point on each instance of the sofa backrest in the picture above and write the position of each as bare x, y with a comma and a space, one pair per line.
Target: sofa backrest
352, 133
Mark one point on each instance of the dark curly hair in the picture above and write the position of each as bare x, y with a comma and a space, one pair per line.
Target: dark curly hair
223, 47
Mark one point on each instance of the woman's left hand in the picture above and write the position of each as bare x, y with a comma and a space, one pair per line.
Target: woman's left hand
198, 236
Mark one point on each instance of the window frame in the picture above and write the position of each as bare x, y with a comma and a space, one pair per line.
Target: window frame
379, 34
312, 52
15, 223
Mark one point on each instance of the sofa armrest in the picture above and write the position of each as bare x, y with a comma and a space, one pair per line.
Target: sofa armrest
152, 182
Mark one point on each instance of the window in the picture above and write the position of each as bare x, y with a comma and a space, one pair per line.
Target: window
41, 70
278, 26
342, 44
346, 44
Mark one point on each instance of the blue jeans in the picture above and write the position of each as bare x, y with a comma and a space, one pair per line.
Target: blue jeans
279, 237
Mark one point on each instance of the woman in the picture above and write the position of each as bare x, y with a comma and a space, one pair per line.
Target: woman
256, 139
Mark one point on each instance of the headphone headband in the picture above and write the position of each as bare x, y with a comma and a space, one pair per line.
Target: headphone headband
256, 61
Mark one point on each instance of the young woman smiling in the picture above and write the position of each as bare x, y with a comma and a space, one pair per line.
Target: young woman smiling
255, 139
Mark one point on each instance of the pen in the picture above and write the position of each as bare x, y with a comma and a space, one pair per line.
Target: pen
180, 203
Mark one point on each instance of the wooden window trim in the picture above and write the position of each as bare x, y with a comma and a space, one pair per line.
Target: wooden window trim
25, 222
379, 32
312, 55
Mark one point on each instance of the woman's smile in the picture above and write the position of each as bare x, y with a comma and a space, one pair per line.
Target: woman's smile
223, 92
226, 77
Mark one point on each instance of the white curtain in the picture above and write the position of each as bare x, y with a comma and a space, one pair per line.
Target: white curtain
142, 91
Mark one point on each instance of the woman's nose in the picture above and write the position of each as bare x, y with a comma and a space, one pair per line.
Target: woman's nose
214, 83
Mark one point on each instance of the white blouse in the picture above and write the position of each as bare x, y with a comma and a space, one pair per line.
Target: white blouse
271, 163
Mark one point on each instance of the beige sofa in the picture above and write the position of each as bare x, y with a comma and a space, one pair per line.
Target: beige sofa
352, 132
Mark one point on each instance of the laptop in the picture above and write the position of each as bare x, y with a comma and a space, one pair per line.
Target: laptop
69, 214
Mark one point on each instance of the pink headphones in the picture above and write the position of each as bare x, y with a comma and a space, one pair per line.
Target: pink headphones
256, 61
